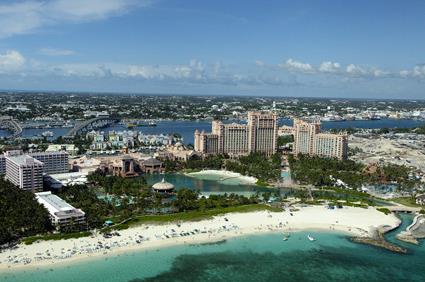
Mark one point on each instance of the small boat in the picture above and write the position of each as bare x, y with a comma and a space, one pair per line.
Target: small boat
311, 238
47, 134
285, 236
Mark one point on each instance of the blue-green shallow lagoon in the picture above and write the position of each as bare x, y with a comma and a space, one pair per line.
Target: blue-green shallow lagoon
205, 186
252, 258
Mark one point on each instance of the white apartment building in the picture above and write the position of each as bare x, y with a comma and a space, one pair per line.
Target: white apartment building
25, 172
61, 213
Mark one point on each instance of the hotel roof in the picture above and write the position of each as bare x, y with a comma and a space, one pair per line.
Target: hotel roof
24, 160
53, 203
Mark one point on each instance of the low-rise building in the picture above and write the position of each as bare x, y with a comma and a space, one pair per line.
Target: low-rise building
57, 181
69, 148
61, 213
151, 165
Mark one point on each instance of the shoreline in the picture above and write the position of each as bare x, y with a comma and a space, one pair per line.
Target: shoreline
351, 221
223, 176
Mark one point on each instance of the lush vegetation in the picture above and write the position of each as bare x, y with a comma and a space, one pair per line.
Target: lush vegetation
285, 139
118, 185
189, 200
384, 210
255, 164
82, 197
58, 236
20, 214
336, 196
407, 201
317, 171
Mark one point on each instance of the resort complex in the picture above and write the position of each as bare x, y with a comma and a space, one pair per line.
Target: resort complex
258, 135
224, 141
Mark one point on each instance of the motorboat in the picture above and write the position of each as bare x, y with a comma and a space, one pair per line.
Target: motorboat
311, 238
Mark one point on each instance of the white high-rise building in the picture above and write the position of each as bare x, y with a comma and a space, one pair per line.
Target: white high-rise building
25, 172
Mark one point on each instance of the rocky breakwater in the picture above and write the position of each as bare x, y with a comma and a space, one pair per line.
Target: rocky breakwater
377, 239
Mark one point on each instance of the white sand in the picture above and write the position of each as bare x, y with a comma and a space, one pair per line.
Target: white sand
224, 174
354, 221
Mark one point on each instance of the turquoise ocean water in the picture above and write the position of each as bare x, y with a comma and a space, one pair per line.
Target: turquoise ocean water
251, 258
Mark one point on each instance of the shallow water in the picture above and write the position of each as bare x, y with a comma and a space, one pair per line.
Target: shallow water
252, 258
205, 186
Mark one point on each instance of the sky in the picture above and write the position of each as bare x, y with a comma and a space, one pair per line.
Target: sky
317, 48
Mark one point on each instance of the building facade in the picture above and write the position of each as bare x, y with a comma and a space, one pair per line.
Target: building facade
54, 162
258, 135
24, 172
309, 140
2, 164
262, 132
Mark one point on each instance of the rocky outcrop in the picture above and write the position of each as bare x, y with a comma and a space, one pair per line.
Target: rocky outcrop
377, 239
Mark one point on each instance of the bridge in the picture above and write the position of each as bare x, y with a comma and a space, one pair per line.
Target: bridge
11, 125
90, 124
401, 208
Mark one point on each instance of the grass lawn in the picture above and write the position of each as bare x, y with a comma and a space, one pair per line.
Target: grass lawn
32, 239
407, 201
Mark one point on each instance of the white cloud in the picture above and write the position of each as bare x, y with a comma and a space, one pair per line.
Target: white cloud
350, 70
330, 67
294, 65
11, 61
417, 72
259, 63
30, 15
56, 52
355, 70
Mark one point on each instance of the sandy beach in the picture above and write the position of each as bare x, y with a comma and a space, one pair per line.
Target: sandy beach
353, 221
223, 175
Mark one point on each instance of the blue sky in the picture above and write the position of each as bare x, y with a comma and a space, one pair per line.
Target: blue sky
372, 49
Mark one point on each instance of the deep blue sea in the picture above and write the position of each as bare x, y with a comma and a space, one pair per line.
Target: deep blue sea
187, 128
